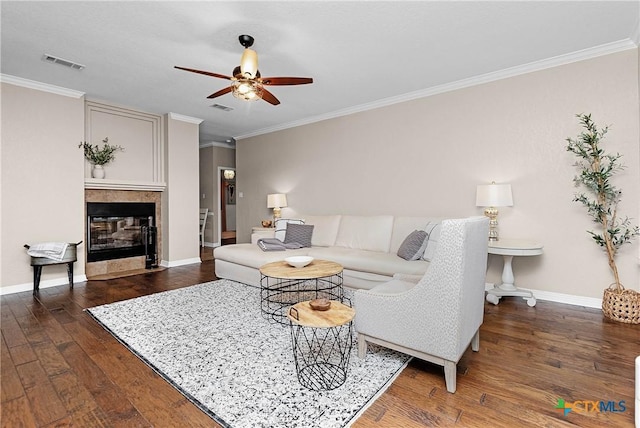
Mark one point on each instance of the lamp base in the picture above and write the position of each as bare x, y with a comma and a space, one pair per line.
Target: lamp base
492, 213
276, 214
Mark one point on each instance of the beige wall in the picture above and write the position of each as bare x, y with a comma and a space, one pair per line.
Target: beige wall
42, 179
42, 183
180, 201
211, 158
426, 156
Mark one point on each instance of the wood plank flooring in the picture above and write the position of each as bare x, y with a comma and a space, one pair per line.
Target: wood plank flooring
60, 369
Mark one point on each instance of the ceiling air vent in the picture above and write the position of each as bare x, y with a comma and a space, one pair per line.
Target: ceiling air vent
221, 107
65, 62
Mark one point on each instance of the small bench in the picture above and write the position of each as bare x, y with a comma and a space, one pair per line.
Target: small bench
70, 257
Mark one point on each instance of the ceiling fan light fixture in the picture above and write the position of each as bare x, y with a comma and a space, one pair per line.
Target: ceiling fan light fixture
248, 90
246, 82
249, 63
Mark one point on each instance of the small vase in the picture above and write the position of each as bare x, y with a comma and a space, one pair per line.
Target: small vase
97, 171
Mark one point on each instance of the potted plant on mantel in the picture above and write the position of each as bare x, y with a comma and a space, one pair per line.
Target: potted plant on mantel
596, 168
98, 157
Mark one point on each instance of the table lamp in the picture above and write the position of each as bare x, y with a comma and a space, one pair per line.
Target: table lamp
491, 196
276, 201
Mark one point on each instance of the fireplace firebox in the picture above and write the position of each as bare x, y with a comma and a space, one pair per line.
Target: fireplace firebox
116, 230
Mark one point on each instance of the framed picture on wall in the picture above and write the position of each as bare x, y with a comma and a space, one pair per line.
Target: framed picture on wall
231, 193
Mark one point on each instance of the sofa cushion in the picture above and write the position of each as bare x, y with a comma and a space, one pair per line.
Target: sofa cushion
366, 280
251, 255
299, 233
369, 261
394, 286
412, 247
371, 233
325, 229
281, 227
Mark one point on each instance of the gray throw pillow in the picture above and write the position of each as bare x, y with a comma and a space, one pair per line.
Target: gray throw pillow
300, 233
281, 226
411, 247
433, 229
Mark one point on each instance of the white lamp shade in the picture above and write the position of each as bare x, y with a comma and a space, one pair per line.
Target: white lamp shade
276, 200
494, 195
249, 63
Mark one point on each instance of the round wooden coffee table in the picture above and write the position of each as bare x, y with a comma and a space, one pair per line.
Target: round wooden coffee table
282, 285
322, 343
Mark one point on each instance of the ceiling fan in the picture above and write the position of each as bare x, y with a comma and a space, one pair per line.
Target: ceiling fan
246, 82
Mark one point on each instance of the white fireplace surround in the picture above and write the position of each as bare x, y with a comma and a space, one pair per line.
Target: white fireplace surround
140, 165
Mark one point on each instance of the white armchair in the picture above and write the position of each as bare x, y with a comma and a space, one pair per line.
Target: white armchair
435, 317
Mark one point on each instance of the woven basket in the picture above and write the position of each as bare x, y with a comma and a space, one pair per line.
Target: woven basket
621, 305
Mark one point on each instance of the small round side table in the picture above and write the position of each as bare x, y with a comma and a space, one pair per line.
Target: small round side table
508, 248
282, 285
322, 343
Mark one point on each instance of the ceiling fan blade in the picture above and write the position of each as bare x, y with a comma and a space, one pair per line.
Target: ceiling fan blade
206, 73
286, 80
220, 92
269, 97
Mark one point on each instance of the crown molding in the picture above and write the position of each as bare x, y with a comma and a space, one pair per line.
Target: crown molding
556, 61
635, 36
45, 87
204, 144
183, 118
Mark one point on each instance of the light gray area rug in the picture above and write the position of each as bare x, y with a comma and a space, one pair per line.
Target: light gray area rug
212, 343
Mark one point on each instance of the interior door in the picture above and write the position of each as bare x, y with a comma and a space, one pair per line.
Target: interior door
227, 205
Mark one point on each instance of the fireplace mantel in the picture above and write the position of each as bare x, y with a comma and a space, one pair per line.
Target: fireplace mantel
107, 184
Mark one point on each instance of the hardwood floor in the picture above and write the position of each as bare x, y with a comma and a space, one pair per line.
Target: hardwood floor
59, 368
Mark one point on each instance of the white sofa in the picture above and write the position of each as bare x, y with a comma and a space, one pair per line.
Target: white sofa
366, 246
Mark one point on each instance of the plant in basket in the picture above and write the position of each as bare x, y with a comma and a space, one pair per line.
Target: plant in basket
595, 171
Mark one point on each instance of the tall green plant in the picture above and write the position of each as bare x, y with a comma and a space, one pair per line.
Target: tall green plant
596, 169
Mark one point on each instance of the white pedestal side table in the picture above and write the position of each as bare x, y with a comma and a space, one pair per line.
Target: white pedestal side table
508, 248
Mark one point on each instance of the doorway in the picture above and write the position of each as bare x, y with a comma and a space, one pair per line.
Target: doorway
227, 205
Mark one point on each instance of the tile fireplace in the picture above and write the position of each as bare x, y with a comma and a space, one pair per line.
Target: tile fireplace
118, 230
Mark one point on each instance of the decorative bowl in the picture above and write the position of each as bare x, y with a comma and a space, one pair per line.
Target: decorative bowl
320, 304
298, 261
266, 223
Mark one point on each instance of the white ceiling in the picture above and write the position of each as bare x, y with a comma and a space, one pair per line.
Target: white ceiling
360, 54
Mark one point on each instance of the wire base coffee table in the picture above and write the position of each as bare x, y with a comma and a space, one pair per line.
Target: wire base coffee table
322, 343
282, 285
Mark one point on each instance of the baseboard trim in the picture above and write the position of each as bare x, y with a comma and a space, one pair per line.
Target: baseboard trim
183, 262
569, 299
28, 286
550, 296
